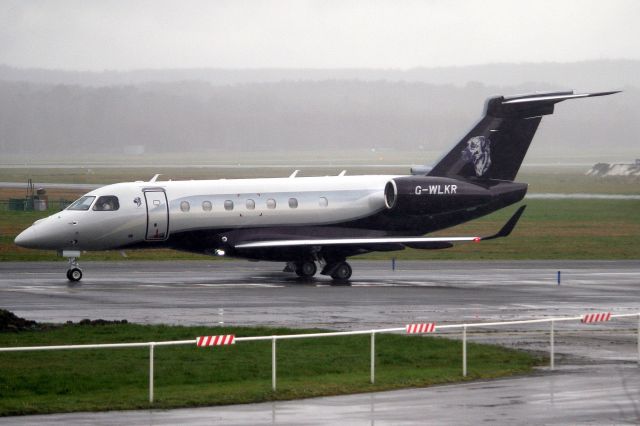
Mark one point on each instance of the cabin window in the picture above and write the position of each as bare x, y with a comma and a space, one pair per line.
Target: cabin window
228, 205
271, 203
323, 202
251, 204
185, 206
206, 206
106, 203
293, 203
82, 203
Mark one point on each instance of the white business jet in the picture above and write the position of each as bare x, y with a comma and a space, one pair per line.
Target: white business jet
311, 221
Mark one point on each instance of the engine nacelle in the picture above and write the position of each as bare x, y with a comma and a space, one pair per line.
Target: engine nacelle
423, 195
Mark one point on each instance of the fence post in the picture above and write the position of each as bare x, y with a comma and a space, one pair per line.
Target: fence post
464, 350
373, 357
552, 349
273, 363
151, 346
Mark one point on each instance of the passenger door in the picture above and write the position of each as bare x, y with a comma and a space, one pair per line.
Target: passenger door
157, 214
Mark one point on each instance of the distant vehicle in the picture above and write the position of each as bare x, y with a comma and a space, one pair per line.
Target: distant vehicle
311, 221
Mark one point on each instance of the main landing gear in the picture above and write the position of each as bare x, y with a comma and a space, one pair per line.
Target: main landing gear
339, 271
306, 269
74, 273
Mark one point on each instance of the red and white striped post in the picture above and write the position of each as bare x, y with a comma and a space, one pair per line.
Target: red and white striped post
429, 327
596, 317
221, 340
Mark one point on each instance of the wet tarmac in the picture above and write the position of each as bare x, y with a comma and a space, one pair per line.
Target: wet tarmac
598, 380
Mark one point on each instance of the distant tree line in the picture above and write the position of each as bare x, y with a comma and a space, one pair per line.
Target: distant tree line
38, 119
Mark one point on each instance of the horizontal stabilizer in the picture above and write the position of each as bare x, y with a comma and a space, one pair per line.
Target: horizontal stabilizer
533, 105
557, 97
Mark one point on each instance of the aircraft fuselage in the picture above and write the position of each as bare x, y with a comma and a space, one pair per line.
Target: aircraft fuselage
208, 215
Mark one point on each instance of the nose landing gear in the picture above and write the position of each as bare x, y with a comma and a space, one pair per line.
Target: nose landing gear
74, 273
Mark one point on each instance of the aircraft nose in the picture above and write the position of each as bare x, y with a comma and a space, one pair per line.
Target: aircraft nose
26, 239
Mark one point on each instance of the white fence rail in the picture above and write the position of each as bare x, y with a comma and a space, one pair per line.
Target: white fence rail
274, 339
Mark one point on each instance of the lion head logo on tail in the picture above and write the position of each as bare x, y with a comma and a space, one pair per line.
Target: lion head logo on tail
478, 152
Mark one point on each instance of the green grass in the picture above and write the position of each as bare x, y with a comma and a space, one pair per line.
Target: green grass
549, 229
106, 379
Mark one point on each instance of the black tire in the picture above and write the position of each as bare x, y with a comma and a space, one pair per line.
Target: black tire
74, 274
306, 269
342, 272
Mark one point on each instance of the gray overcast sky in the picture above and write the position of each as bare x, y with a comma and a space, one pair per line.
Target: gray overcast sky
128, 34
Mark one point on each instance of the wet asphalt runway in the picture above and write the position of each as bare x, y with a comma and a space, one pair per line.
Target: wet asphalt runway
598, 379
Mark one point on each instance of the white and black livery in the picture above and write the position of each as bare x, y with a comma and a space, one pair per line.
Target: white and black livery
308, 222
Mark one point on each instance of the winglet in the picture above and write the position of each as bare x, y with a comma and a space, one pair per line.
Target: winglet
508, 227
553, 97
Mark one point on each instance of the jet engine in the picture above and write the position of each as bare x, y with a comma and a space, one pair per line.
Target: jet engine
425, 195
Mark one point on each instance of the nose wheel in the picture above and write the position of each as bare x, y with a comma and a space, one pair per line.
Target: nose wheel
74, 273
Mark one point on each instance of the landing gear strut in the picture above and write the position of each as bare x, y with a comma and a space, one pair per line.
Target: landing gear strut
74, 273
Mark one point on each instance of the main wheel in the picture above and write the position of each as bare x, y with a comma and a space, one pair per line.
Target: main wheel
306, 269
74, 274
342, 272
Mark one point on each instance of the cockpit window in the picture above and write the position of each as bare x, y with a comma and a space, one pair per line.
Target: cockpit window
82, 203
106, 203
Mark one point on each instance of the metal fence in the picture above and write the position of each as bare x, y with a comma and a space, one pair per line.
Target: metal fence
27, 205
464, 327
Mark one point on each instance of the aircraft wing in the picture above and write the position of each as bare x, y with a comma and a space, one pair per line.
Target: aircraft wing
416, 242
353, 241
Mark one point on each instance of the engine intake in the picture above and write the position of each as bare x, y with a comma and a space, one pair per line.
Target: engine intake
390, 194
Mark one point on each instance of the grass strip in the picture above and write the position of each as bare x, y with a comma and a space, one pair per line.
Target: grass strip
187, 376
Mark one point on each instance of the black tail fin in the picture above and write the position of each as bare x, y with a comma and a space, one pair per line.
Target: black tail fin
496, 146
